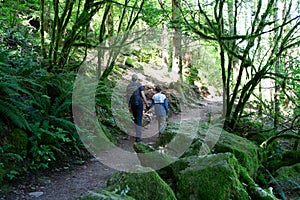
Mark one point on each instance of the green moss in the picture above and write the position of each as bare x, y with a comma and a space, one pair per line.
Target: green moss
290, 158
142, 148
149, 157
133, 63
244, 150
171, 171
259, 137
212, 177
194, 149
289, 171
169, 134
129, 62
288, 177
279, 158
115, 178
141, 185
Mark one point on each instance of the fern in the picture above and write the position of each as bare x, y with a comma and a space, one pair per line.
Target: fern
12, 106
61, 104
11, 113
64, 123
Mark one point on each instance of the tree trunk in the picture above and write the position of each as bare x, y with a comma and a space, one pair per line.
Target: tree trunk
102, 36
165, 45
277, 97
176, 53
134, 14
42, 30
277, 86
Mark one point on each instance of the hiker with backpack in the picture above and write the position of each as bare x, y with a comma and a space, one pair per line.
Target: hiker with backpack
135, 98
160, 103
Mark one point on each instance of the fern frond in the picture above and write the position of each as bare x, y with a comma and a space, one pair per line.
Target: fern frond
7, 89
13, 155
64, 123
63, 107
12, 113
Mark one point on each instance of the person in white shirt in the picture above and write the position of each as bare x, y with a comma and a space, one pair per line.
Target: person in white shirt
160, 103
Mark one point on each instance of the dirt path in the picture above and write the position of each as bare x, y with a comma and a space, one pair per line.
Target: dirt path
66, 184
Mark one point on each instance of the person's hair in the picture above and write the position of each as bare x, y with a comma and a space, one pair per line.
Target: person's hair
158, 88
134, 77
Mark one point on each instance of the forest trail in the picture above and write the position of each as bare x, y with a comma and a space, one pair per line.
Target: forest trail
71, 182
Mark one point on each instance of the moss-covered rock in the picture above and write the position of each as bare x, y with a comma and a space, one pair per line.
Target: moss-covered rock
194, 149
104, 195
211, 177
142, 148
281, 158
254, 190
288, 177
141, 185
131, 62
171, 172
244, 150
150, 157
288, 171
169, 134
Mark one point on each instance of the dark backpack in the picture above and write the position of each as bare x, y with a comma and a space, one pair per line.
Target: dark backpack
133, 94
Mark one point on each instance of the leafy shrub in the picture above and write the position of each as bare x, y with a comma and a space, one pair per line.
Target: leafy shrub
193, 75
53, 132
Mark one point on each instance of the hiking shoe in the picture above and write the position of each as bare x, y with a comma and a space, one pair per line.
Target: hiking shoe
138, 140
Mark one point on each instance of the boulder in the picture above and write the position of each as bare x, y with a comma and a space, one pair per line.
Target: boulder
244, 150
150, 157
170, 132
288, 178
194, 148
242, 178
286, 158
212, 177
142, 183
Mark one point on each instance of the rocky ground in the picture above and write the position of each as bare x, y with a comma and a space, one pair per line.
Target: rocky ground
65, 184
